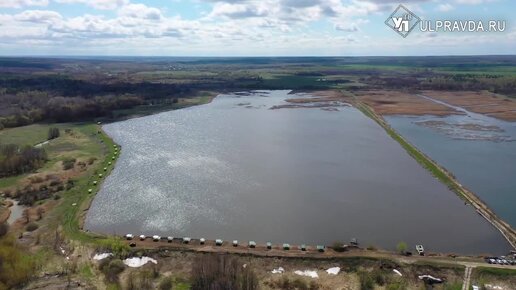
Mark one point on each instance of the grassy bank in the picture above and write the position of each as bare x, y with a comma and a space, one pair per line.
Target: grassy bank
504, 278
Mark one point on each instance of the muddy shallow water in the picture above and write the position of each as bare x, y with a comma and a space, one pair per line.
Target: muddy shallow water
304, 175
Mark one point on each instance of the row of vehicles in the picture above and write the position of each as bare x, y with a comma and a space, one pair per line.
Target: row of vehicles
502, 260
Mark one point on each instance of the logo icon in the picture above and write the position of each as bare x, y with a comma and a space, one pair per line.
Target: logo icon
402, 20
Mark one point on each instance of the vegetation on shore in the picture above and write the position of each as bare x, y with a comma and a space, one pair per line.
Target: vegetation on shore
98, 89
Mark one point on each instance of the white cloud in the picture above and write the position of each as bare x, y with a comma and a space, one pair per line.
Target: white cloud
22, 3
98, 4
239, 10
38, 16
140, 11
445, 7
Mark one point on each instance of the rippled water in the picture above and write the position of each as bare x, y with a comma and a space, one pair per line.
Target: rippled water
483, 160
234, 169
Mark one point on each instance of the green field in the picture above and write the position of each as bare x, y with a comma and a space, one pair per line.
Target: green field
28, 135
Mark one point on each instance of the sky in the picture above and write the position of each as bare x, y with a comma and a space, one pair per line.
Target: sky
245, 28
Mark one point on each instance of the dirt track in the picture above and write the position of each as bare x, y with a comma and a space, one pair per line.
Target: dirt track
310, 253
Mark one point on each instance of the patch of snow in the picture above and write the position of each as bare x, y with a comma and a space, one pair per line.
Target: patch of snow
489, 286
397, 272
138, 262
307, 273
102, 256
280, 270
430, 277
333, 271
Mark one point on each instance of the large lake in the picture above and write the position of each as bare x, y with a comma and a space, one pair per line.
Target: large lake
235, 169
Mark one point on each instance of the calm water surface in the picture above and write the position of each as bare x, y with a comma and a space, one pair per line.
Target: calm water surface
482, 160
234, 169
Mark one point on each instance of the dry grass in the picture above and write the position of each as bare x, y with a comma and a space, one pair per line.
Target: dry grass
402, 103
487, 103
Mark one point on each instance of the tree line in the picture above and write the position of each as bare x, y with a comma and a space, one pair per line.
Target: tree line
16, 160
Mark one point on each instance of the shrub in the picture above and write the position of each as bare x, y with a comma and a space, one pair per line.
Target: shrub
4, 228
116, 246
366, 281
111, 268
396, 286
68, 163
53, 133
166, 284
91, 160
222, 272
401, 247
338, 247
55, 182
378, 277
32, 227
16, 267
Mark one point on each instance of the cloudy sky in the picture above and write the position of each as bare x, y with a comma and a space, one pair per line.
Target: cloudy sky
244, 27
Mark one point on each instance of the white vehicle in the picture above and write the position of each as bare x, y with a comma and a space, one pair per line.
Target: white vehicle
156, 238
142, 237
129, 237
170, 239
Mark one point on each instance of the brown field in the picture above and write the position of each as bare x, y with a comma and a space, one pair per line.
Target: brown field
402, 103
487, 103
322, 96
